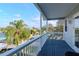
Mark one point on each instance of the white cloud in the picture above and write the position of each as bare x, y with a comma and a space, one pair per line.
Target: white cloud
36, 18
18, 16
33, 22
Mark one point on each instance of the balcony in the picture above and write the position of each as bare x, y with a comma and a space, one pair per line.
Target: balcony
48, 43
41, 46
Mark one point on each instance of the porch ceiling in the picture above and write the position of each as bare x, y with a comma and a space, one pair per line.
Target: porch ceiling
56, 10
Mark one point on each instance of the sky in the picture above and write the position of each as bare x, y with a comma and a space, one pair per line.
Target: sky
53, 22
25, 11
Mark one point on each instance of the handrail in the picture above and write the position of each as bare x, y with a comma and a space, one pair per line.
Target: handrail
20, 47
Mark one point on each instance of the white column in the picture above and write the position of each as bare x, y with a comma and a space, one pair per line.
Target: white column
46, 25
40, 40
41, 17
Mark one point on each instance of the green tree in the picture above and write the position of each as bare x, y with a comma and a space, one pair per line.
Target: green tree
59, 28
16, 32
19, 32
50, 28
9, 34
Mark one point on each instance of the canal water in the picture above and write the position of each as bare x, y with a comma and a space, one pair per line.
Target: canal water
2, 36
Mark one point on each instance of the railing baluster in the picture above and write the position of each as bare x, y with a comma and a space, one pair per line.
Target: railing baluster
26, 50
30, 50
23, 52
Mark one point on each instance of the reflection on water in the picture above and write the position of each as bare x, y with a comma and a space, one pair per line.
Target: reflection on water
2, 36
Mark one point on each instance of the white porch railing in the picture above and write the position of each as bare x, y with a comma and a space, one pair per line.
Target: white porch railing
56, 35
29, 48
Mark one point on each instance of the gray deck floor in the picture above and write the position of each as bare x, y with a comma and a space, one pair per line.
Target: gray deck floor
54, 48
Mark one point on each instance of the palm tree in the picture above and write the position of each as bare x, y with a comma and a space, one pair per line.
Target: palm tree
16, 32
9, 34
17, 24
21, 32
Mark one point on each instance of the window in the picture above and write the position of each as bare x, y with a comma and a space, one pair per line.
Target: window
65, 25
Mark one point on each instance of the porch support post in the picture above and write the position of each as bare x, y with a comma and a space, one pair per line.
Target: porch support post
46, 25
41, 18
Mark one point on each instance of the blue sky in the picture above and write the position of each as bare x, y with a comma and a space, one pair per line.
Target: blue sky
25, 11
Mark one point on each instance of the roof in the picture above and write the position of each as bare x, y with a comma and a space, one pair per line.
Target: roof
56, 10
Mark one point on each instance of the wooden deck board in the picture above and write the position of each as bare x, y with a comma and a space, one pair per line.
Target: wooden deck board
54, 48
